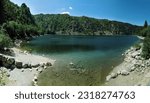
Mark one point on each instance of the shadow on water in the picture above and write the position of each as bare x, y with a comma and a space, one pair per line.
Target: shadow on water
61, 48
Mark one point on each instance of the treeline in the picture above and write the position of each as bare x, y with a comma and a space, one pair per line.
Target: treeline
16, 22
70, 25
145, 32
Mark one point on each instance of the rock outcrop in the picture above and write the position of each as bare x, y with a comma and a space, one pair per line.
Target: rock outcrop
11, 63
133, 62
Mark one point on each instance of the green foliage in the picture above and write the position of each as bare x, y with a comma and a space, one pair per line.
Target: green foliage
2, 11
13, 12
145, 32
146, 48
19, 31
5, 41
16, 21
145, 24
25, 17
65, 24
137, 46
146, 43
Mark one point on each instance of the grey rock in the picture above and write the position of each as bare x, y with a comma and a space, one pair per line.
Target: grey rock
108, 78
26, 66
132, 69
18, 64
40, 71
48, 64
22, 70
124, 72
114, 75
1, 57
111, 76
4, 59
35, 78
11, 61
42, 64
118, 72
8, 75
35, 65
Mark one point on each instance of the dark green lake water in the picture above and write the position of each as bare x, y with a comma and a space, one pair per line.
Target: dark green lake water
93, 57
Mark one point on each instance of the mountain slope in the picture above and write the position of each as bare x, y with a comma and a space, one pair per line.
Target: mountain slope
70, 25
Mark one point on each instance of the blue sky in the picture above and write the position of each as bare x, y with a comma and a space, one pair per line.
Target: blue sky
132, 11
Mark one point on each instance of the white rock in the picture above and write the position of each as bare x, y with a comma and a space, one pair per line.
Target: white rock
124, 72
108, 78
114, 75
132, 69
71, 63
118, 72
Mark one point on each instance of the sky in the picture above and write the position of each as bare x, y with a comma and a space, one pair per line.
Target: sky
131, 11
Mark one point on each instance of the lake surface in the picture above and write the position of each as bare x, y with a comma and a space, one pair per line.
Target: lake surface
80, 60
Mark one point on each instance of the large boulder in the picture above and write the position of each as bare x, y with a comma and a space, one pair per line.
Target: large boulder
27, 66
10, 63
1, 60
8, 51
4, 61
18, 64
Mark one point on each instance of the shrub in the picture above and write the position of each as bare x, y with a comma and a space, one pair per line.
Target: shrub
146, 48
5, 41
145, 32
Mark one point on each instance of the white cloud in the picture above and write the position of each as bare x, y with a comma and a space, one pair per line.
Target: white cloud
65, 12
70, 8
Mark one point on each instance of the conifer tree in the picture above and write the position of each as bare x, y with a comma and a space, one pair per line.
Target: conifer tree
145, 24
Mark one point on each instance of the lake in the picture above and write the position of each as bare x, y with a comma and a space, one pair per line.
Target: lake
80, 60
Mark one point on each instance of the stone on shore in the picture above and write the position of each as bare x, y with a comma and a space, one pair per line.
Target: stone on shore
1, 60
35, 65
25, 66
48, 64
114, 75
132, 69
11, 61
19, 64
124, 72
23, 60
111, 76
108, 78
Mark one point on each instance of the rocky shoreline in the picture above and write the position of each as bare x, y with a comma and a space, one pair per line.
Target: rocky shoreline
22, 68
134, 71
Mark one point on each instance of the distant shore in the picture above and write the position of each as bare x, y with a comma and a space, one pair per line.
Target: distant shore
30, 66
133, 71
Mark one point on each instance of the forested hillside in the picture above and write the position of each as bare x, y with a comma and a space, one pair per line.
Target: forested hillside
65, 24
16, 22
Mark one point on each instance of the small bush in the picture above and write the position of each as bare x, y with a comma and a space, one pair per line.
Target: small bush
137, 46
145, 32
146, 48
5, 41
